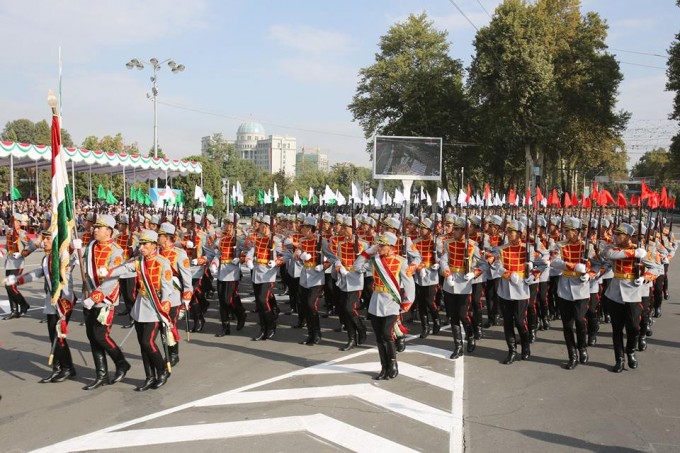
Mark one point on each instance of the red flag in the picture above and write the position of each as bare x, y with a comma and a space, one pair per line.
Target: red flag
646, 191
595, 195
512, 197
527, 197
567, 200
621, 200
574, 200
653, 200
664, 197
634, 200
539, 195
605, 198
467, 196
487, 192
585, 202
672, 202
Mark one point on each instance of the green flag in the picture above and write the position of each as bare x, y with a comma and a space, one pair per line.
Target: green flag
16, 195
140, 196
314, 199
101, 193
110, 199
209, 200
331, 202
133, 193
260, 196
147, 200
287, 201
304, 202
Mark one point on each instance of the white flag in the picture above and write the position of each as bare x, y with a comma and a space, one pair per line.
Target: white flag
267, 197
461, 198
311, 195
398, 197
239, 191
328, 194
356, 193
340, 198
422, 193
497, 200
429, 200
198, 193
276, 192
379, 193
440, 200
364, 200
445, 196
296, 199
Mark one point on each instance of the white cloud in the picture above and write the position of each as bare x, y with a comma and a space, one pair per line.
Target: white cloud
310, 40
87, 28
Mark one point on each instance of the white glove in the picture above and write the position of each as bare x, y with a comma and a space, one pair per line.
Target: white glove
530, 266
78, 244
343, 271
469, 276
271, 264
235, 261
16, 255
639, 281
10, 280
585, 277
530, 279
640, 253
287, 241
372, 250
305, 256
435, 267
102, 272
450, 280
580, 268
423, 273
213, 268
189, 245
514, 277
194, 262
665, 260
318, 268
250, 265
88, 303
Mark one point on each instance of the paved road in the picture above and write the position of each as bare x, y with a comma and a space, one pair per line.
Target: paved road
229, 393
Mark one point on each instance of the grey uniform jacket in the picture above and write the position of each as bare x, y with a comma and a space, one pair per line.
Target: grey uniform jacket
620, 290
383, 304
506, 288
460, 285
569, 287
44, 271
12, 263
262, 273
228, 271
103, 289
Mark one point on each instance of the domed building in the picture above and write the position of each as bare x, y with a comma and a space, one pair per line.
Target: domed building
247, 135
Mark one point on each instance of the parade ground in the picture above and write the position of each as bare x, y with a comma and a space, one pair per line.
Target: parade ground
234, 394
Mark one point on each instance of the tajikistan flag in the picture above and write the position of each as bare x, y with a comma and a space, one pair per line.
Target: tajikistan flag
62, 211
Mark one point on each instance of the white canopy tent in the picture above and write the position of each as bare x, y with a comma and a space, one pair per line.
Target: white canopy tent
133, 167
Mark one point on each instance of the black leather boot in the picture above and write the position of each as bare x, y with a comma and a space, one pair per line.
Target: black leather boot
642, 342
526, 347
479, 333
392, 367
583, 355
121, 370
351, 344
592, 339
512, 351
150, 376
14, 313
632, 360
270, 319
400, 343
425, 326
545, 323
436, 327
56, 370
571, 364
161, 379
471, 343
65, 373
383, 362
361, 331
457, 342
101, 368
240, 319
263, 329
173, 351
618, 366
226, 330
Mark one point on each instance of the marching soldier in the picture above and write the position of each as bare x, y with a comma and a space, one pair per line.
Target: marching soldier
151, 310
513, 289
225, 266
18, 247
624, 295
101, 255
460, 263
427, 279
181, 281
390, 271
58, 315
127, 242
573, 290
493, 308
479, 282
263, 260
349, 284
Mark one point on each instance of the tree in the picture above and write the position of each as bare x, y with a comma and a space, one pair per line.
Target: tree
673, 84
657, 164
544, 91
414, 88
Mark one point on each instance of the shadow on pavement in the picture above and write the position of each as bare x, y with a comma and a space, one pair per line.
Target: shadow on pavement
574, 442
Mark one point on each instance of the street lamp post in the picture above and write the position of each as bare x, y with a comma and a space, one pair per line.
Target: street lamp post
156, 66
225, 191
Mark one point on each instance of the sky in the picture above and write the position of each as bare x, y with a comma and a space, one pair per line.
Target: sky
291, 65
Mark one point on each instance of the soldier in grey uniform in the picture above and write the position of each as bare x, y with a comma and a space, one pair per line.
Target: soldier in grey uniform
58, 315
151, 311
18, 247
390, 271
573, 290
264, 258
102, 254
225, 267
